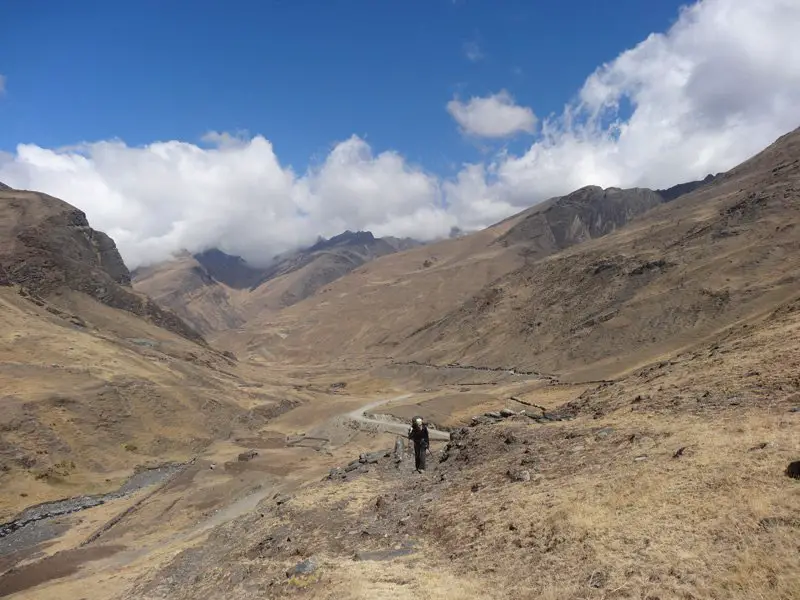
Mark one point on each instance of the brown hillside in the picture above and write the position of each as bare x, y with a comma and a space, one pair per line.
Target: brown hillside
47, 246
585, 214
215, 291
724, 254
95, 379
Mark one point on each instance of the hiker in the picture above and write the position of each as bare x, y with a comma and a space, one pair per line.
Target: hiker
419, 435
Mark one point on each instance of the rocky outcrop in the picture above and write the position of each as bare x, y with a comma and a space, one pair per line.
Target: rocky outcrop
585, 214
47, 245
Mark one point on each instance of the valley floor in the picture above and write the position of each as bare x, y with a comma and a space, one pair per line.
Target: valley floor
668, 483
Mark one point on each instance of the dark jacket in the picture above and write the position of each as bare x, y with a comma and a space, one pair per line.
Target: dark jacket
419, 435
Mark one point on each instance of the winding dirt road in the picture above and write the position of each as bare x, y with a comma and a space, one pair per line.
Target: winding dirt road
358, 416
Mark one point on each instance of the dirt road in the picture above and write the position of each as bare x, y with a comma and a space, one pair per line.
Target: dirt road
388, 426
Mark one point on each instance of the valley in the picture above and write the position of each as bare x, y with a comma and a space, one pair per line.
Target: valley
610, 380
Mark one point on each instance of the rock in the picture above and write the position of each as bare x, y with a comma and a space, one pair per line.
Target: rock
246, 456
493, 415
381, 555
760, 446
640, 458
604, 433
679, 452
793, 469
519, 475
796, 409
399, 449
481, 420
352, 466
281, 499
511, 439
507, 412
306, 567
335, 472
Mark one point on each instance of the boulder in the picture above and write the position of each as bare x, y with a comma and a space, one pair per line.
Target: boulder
519, 475
246, 456
306, 567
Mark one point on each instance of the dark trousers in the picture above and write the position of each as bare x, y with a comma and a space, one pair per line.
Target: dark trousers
419, 456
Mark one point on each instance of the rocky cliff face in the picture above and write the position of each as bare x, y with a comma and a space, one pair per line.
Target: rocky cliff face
585, 214
47, 244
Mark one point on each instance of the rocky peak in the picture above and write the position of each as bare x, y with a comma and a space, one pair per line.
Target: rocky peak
47, 245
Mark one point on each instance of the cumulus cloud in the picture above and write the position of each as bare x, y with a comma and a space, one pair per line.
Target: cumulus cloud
167, 196
720, 85
495, 116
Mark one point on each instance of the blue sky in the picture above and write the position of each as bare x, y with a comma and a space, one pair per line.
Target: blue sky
304, 74
402, 117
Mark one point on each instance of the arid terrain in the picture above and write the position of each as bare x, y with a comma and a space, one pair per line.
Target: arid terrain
612, 380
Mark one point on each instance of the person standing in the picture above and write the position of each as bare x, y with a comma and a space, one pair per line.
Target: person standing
418, 433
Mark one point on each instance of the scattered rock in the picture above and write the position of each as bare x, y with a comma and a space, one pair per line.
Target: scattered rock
679, 452
281, 499
598, 579
380, 555
796, 409
511, 439
760, 446
640, 458
493, 415
519, 475
306, 567
399, 449
793, 469
246, 456
507, 412
481, 420
604, 433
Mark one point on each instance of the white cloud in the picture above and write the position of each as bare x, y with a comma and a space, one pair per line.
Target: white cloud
720, 85
159, 199
495, 116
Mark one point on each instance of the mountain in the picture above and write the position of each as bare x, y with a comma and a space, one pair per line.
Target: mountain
96, 379
47, 246
676, 191
215, 291
724, 254
585, 214
408, 292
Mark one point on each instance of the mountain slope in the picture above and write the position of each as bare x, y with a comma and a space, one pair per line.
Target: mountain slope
215, 291
95, 380
372, 311
585, 214
47, 245
724, 254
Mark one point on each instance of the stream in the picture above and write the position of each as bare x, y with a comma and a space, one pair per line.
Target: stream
37, 523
